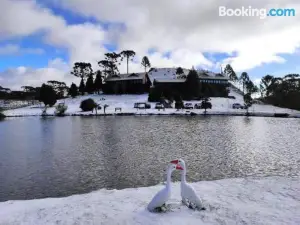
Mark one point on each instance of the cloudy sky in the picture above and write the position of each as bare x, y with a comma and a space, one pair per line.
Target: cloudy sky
41, 39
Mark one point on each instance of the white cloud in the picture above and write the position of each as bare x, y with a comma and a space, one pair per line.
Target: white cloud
185, 28
195, 26
57, 69
84, 42
25, 17
11, 49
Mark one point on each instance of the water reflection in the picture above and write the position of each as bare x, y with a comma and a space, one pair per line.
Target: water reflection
52, 157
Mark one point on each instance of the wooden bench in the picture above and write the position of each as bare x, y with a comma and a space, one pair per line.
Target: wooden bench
118, 108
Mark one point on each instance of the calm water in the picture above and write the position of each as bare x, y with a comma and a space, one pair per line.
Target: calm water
62, 156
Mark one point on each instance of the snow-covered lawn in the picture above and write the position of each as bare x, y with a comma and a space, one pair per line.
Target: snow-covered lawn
126, 102
265, 201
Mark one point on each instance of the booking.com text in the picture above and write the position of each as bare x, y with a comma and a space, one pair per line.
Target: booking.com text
262, 13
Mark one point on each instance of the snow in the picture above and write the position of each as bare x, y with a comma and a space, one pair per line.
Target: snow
264, 201
12, 104
126, 102
169, 74
164, 74
207, 72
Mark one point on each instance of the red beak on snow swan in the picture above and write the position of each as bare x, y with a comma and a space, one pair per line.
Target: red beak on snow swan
175, 161
178, 167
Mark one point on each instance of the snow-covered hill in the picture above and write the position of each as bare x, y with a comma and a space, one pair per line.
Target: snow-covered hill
248, 201
126, 102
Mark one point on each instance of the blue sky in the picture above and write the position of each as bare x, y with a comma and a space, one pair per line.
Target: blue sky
30, 60
52, 33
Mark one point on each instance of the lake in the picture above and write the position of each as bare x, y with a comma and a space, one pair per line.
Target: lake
54, 157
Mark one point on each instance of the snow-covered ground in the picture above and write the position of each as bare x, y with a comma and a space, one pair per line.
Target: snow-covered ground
12, 104
126, 102
265, 201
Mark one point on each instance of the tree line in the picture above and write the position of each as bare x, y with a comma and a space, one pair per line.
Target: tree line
279, 91
90, 82
109, 67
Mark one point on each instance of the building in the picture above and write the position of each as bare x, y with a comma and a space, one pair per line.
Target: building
213, 84
166, 80
135, 83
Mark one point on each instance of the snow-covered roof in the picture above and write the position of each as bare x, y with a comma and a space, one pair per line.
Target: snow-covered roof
169, 80
165, 74
206, 72
123, 78
7, 90
211, 75
169, 75
131, 76
213, 78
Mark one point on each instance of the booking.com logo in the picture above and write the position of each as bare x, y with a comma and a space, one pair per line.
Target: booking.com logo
261, 13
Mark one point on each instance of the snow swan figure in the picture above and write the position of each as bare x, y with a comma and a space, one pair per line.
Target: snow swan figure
188, 194
158, 203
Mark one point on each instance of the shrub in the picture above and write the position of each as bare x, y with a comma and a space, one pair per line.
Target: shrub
88, 105
179, 105
1, 115
60, 109
44, 111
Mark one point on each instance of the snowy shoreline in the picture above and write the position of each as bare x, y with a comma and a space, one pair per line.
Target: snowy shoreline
269, 200
256, 114
220, 106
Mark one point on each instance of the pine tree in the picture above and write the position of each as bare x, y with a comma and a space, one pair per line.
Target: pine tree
98, 85
127, 54
146, 63
82, 70
82, 87
230, 73
244, 78
192, 84
179, 72
73, 91
47, 95
89, 87
248, 102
